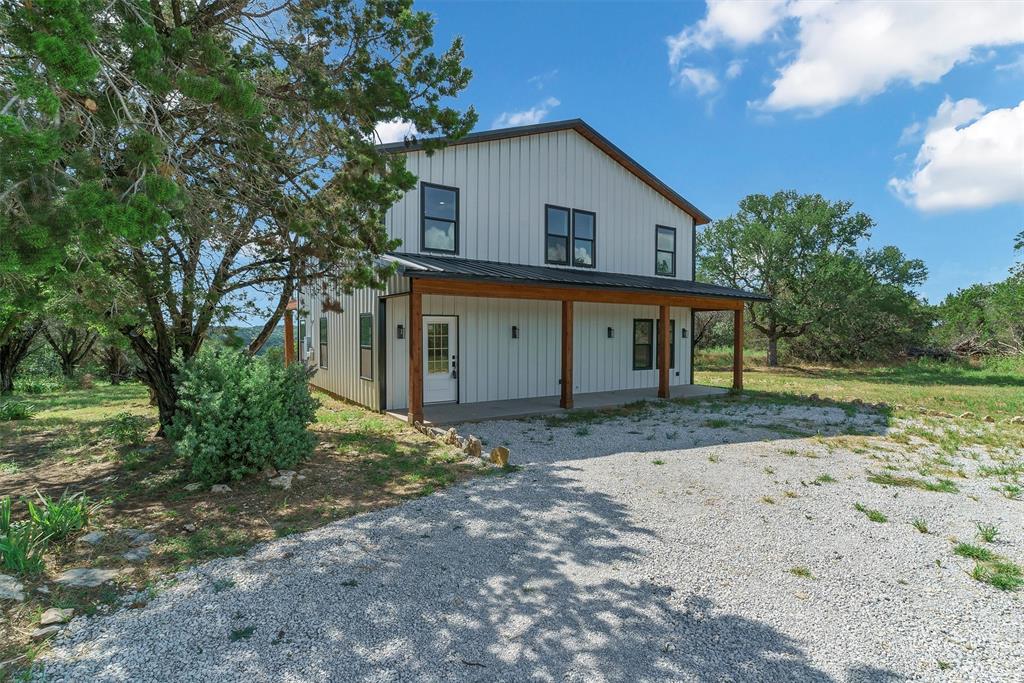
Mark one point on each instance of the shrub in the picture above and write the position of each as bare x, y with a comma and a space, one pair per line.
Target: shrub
59, 519
236, 415
16, 410
37, 385
126, 429
21, 545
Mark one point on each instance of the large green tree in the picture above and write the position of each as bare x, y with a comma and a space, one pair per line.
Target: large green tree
985, 318
192, 160
802, 250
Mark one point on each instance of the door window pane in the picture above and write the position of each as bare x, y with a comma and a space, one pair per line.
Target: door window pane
437, 347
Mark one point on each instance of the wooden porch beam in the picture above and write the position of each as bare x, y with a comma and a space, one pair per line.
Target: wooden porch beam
463, 287
566, 401
415, 353
664, 344
737, 349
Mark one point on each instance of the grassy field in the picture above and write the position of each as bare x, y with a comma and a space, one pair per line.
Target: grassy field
994, 389
77, 441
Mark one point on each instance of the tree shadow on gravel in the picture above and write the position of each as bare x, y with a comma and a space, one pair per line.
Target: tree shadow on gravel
507, 578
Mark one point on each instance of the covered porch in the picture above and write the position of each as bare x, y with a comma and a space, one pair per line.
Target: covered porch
453, 277
453, 413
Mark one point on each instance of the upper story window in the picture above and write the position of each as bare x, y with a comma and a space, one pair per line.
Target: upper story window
583, 238
440, 218
665, 251
569, 234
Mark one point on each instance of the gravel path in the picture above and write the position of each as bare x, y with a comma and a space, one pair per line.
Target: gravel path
594, 562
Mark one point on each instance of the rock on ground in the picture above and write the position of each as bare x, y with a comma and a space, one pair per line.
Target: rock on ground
85, 577
11, 588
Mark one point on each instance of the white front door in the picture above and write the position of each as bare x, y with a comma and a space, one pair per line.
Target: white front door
440, 359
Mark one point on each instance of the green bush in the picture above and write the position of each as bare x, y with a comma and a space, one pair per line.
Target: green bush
236, 415
126, 429
59, 519
21, 545
16, 410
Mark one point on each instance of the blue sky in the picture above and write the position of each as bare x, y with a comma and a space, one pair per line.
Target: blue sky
845, 100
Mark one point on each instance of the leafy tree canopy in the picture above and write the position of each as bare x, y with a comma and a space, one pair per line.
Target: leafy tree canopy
196, 157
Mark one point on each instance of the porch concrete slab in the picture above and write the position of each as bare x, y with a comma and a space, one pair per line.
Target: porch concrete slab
452, 413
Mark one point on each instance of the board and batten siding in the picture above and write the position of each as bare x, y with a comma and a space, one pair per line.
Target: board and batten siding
341, 376
493, 366
505, 184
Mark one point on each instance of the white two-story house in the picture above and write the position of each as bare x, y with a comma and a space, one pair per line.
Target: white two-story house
540, 267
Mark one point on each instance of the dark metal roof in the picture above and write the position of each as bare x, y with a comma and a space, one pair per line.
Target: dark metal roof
449, 267
584, 129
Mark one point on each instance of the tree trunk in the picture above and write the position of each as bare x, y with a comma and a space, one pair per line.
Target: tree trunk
157, 373
13, 351
773, 352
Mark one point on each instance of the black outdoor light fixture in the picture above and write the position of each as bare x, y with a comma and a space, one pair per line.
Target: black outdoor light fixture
684, 333
515, 332
400, 331
611, 333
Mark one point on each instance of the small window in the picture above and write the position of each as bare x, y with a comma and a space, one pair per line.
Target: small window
323, 342
440, 228
583, 238
366, 345
301, 341
665, 251
643, 344
556, 231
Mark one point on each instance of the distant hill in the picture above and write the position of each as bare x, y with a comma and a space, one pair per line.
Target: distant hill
242, 336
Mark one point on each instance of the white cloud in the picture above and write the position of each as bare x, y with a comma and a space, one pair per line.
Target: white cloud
854, 50
969, 159
738, 22
849, 51
542, 80
702, 80
395, 130
529, 117
734, 69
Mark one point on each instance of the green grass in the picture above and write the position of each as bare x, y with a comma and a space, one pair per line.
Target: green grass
60, 518
873, 515
920, 524
824, 478
987, 532
16, 410
975, 552
658, 462
995, 388
887, 479
802, 572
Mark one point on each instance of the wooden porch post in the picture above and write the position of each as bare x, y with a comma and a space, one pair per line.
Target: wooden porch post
737, 349
566, 401
664, 344
415, 354
289, 338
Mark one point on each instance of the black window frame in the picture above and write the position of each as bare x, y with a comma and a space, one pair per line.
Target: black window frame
592, 239
424, 217
300, 351
674, 252
366, 347
567, 237
655, 324
636, 323
322, 338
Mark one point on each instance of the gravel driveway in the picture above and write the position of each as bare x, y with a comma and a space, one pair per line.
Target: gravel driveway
641, 548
